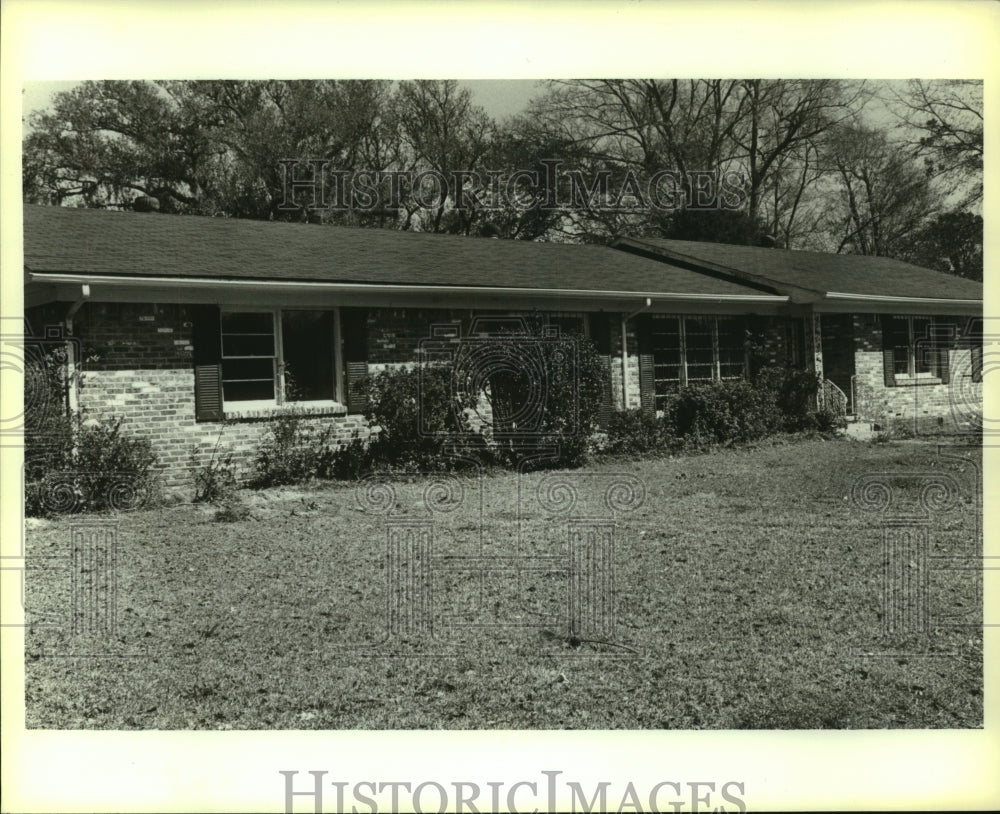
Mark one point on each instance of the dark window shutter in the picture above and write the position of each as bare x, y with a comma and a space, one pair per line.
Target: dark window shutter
888, 356
977, 361
354, 334
600, 333
944, 366
755, 330
207, 357
948, 331
647, 379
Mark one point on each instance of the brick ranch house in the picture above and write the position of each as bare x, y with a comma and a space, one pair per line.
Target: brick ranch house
188, 326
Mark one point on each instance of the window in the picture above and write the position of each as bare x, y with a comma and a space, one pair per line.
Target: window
916, 347
694, 350
248, 356
699, 351
568, 324
307, 354
795, 341
278, 357
732, 348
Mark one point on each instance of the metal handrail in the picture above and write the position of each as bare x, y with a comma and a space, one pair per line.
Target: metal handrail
832, 397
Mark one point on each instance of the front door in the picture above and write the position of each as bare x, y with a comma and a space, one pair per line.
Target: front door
838, 353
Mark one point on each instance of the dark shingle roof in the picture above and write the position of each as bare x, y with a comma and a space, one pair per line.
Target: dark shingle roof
88, 241
790, 272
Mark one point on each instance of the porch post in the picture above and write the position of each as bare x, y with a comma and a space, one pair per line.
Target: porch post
814, 347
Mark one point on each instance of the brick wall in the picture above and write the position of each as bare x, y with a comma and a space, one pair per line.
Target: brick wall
135, 336
394, 334
923, 403
159, 405
777, 341
138, 365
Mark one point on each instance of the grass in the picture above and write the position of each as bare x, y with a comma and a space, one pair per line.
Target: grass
748, 593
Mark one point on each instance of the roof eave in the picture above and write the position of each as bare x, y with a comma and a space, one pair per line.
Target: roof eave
841, 301
209, 284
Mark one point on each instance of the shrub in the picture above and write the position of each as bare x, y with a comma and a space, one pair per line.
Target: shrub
431, 418
418, 419
723, 413
636, 432
701, 416
289, 454
48, 429
109, 459
794, 392
107, 469
231, 509
69, 467
48, 449
352, 460
826, 420
569, 395
776, 400
216, 479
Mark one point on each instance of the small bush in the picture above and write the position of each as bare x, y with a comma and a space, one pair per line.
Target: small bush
701, 416
723, 413
826, 420
289, 454
49, 431
794, 393
419, 421
231, 509
569, 395
352, 460
893, 429
740, 411
113, 460
636, 432
425, 415
106, 469
215, 479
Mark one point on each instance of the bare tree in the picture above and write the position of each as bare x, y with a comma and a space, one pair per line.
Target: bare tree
445, 133
882, 197
762, 130
783, 117
943, 124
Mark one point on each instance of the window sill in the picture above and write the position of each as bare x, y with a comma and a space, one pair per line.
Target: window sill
260, 411
915, 381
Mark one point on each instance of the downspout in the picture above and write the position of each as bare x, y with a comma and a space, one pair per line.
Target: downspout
72, 396
625, 319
